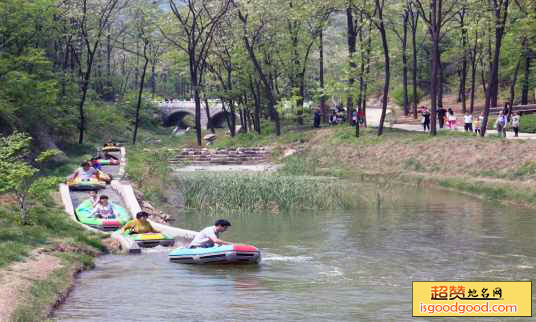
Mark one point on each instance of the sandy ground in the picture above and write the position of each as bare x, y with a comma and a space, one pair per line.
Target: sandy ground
17, 278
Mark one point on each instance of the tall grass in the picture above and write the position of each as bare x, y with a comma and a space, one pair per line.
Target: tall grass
262, 191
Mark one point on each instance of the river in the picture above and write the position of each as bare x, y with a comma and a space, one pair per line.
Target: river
340, 266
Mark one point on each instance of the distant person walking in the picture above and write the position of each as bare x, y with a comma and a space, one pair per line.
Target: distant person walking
441, 114
476, 125
516, 118
451, 117
316, 120
500, 125
425, 114
468, 122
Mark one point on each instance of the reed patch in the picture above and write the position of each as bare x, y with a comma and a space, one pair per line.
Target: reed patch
224, 191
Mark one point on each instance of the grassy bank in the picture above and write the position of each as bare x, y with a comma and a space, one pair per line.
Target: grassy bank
492, 168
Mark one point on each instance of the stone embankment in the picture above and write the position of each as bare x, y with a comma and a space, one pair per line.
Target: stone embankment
238, 156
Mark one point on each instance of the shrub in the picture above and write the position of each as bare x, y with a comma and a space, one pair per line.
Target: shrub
398, 95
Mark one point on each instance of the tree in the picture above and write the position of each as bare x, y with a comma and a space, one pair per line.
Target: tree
198, 20
251, 37
92, 20
500, 15
436, 17
17, 175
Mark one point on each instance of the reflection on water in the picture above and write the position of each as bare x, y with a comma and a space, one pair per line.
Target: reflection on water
317, 266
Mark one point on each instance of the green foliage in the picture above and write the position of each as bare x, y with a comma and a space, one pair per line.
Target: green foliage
49, 223
398, 95
245, 192
18, 176
528, 123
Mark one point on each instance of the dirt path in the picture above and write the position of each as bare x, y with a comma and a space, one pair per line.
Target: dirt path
17, 279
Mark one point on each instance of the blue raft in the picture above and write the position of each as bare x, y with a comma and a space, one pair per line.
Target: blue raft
225, 254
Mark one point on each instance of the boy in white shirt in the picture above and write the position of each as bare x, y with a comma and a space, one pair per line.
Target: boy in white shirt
468, 122
210, 236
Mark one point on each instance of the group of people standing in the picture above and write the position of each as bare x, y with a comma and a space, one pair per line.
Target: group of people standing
448, 117
444, 116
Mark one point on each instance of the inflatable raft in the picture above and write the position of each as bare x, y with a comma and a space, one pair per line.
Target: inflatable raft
151, 239
86, 184
225, 254
108, 162
83, 213
111, 148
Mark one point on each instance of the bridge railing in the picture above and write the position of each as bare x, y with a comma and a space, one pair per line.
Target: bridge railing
525, 109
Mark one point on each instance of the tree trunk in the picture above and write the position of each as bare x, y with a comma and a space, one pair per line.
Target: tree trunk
210, 126
140, 94
153, 79
197, 99
473, 72
367, 72
464, 62
526, 80
351, 40
513, 88
440, 79
414, 26
387, 71
323, 107
493, 87
85, 86
405, 62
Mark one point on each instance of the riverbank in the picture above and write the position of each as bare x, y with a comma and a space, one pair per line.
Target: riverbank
38, 262
491, 168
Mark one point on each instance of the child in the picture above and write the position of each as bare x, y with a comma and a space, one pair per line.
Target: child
94, 198
500, 125
103, 209
451, 119
468, 122
476, 123
515, 123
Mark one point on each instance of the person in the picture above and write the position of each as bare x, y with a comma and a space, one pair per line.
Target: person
500, 125
94, 197
103, 209
468, 122
451, 117
361, 116
441, 114
354, 118
333, 118
425, 118
140, 225
516, 118
316, 122
85, 172
95, 163
210, 236
506, 111
476, 125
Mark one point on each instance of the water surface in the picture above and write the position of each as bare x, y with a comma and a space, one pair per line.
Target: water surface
343, 266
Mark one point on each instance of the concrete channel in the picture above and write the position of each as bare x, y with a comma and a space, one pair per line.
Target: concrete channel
121, 193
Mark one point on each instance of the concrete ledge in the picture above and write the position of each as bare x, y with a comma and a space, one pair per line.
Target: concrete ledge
123, 163
182, 236
127, 245
69, 209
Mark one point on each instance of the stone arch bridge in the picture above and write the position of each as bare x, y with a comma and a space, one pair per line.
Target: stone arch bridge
173, 113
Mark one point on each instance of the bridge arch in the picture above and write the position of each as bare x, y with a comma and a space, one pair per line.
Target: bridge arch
219, 120
180, 119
